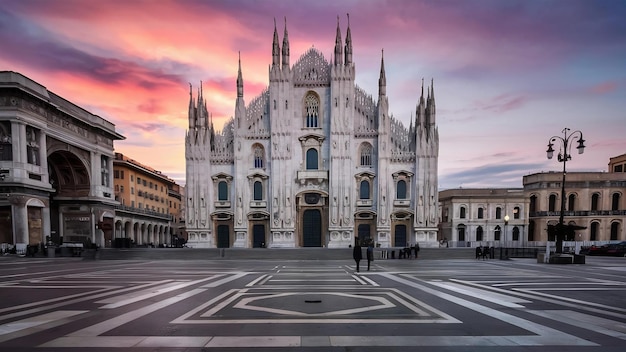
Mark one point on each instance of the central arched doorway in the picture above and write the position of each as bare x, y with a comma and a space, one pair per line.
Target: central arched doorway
223, 236
312, 228
399, 235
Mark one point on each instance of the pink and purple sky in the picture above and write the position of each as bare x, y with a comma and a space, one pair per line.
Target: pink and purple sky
508, 74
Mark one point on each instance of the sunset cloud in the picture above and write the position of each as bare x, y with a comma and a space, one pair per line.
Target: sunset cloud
508, 74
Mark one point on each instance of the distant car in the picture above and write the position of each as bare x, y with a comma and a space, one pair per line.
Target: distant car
598, 250
610, 249
617, 249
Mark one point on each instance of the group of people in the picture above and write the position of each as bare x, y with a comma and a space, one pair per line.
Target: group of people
485, 252
407, 252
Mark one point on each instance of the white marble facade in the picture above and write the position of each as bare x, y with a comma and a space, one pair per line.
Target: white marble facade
313, 161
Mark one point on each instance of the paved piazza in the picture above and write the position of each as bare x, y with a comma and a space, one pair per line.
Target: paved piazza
68, 304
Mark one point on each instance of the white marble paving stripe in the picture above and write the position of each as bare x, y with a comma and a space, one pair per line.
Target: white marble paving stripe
532, 295
538, 329
358, 279
305, 341
183, 318
102, 327
37, 320
572, 300
152, 292
36, 324
257, 280
370, 281
232, 277
500, 299
590, 322
310, 279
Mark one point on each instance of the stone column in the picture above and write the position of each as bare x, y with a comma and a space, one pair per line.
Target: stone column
20, 219
43, 157
45, 220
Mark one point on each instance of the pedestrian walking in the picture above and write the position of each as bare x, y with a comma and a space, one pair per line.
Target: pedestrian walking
357, 254
370, 255
478, 252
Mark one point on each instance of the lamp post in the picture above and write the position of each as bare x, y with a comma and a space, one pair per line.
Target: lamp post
506, 248
565, 146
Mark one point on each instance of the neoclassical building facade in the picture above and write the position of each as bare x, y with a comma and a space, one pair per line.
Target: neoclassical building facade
313, 161
56, 163
150, 205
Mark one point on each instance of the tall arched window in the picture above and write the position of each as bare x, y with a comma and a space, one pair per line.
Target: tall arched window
311, 159
593, 232
259, 157
533, 204
364, 190
552, 203
516, 213
614, 230
258, 190
531, 230
615, 201
222, 190
497, 232
571, 202
479, 233
498, 213
401, 190
366, 154
461, 233
595, 198
462, 213
515, 233
311, 110
481, 213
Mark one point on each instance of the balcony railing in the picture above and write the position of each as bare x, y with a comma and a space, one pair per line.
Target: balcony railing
578, 213
138, 211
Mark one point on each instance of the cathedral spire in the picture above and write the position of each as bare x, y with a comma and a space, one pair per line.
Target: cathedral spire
382, 80
191, 114
275, 48
338, 50
239, 79
285, 48
348, 44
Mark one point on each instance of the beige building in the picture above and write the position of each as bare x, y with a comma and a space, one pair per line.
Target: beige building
478, 217
56, 167
594, 200
147, 197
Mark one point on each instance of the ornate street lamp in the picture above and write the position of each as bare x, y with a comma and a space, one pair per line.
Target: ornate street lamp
565, 146
506, 247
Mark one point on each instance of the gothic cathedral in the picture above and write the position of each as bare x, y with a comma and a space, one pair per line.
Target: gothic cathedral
313, 161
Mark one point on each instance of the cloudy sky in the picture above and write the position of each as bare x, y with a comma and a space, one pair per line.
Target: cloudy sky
508, 74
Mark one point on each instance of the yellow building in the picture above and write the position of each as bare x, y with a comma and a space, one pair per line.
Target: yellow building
146, 197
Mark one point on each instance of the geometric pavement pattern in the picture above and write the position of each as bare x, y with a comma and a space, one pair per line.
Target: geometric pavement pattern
443, 301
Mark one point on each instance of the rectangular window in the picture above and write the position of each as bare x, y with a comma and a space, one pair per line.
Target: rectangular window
116, 173
138, 180
104, 170
132, 178
618, 168
122, 174
132, 190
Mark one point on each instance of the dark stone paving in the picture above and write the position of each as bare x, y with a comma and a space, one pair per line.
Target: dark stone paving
315, 303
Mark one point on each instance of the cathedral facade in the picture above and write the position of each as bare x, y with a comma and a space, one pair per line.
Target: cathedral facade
313, 161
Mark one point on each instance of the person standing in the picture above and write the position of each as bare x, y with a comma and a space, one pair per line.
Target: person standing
357, 254
370, 254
